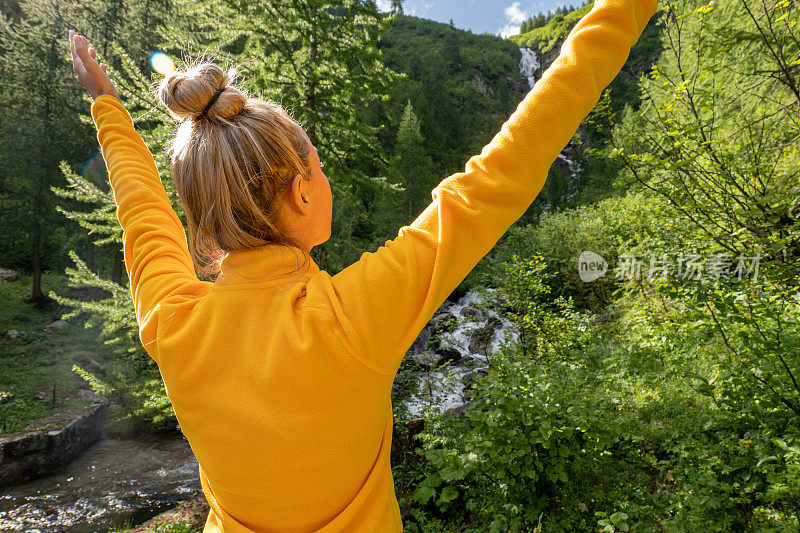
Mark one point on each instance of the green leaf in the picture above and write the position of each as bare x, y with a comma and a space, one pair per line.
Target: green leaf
448, 494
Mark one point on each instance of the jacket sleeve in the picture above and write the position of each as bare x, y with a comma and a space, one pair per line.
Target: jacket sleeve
387, 296
155, 249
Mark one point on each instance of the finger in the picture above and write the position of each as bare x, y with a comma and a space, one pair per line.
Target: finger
103, 68
88, 63
93, 54
77, 64
72, 47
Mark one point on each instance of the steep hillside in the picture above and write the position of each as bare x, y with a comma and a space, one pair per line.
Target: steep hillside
577, 178
546, 41
462, 86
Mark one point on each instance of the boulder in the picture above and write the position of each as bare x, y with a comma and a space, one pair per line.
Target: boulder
192, 512
428, 360
52, 327
21, 336
7, 275
420, 345
471, 311
49, 443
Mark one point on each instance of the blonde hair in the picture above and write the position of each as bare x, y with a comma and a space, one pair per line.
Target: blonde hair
231, 167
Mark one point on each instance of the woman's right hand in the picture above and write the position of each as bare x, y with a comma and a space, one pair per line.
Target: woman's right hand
91, 75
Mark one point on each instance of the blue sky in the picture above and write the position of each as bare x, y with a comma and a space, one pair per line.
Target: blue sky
493, 16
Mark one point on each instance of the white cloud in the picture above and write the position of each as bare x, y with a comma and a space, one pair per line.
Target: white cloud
514, 14
515, 17
508, 30
384, 5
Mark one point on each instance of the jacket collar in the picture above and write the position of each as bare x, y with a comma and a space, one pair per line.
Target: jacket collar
266, 263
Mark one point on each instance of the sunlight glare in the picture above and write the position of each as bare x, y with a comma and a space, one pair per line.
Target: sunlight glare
161, 62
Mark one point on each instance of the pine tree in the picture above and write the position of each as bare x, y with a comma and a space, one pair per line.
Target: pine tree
137, 27
397, 7
38, 127
410, 160
318, 57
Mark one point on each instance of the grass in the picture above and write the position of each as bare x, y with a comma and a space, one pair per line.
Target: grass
45, 361
170, 526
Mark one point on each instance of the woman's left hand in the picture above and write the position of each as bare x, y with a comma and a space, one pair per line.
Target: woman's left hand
91, 75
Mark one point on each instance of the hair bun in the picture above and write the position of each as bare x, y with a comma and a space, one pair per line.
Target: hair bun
186, 93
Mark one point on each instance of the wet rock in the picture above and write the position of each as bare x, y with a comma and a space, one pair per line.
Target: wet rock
462, 335
481, 338
449, 355
48, 443
422, 341
7, 275
459, 410
471, 376
471, 311
517, 84
428, 360
440, 318
52, 327
192, 512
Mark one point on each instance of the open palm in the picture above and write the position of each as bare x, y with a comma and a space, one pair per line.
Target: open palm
91, 75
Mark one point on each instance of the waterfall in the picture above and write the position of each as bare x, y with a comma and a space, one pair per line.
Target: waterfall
574, 173
480, 333
528, 65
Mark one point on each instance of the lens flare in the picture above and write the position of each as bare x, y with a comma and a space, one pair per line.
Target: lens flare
94, 170
161, 62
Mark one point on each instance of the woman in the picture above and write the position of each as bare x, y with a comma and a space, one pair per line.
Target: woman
280, 374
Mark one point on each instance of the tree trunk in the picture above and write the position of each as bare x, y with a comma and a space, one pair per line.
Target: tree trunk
90, 263
311, 86
119, 267
410, 186
37, 297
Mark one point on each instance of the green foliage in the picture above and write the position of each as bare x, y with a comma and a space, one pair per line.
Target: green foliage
539, 318
461, 87
35, 116
410, 164
705, 158
173, 526
546, 36
634, 223
41, 363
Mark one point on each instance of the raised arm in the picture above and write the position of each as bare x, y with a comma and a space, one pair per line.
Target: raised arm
154, 247
156, 254
386, 297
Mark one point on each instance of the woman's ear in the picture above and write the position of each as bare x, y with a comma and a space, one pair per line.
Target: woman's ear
299, 193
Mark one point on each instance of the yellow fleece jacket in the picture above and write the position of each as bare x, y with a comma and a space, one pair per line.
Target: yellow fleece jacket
281, 380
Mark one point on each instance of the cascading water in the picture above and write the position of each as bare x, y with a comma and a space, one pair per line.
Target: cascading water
479, 333
528, 65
